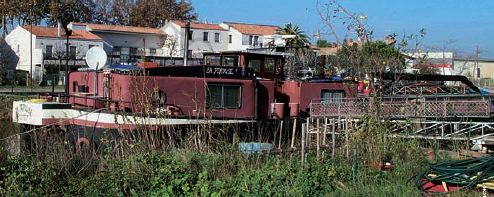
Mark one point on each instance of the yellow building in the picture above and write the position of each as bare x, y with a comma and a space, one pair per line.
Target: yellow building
480, 71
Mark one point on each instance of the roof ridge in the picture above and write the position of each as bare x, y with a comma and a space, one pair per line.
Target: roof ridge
196, 22
199, 25
240, 23
48, 31
120, 25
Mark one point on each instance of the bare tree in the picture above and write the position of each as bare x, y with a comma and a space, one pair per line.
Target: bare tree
170, 43
332, 14
154, 13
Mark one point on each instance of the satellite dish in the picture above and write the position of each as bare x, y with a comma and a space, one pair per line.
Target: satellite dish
96, 57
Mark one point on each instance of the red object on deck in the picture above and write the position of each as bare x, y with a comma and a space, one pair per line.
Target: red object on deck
360, 87
148, 64
279, 110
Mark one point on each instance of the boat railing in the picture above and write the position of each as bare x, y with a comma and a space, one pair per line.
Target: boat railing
401, 109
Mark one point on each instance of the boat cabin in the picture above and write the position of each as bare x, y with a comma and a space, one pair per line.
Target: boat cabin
267, 65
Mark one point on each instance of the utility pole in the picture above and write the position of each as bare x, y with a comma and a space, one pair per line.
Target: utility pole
30, 80
477, 69
186, 42
67, 53
4, 26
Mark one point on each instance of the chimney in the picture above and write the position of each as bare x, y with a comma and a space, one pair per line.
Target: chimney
59, 24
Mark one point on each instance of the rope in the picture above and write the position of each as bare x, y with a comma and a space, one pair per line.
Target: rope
463, 173
49, 125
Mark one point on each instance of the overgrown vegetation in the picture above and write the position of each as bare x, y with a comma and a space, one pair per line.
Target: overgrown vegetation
188, 173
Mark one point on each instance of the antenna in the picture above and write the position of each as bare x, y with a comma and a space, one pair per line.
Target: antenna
96, 57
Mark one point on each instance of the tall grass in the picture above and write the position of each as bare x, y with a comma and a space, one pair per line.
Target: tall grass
190, 173
129, 166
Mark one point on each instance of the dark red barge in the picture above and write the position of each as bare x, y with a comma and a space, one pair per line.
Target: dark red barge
230, 87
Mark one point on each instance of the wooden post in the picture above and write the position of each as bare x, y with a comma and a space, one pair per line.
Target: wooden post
346, 139
325, 131
293, 133
333, 124
302, 144
442, 129
281, 131
307, 130
318, 145
339, 120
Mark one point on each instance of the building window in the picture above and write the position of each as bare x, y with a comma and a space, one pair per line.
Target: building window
251, 38
152, 51
205, 36
256, 40
73, 52
230, 39
224, 96
230, 61
269, 65
133, 51
189, 53
216, 37
212, 60
332, 95
91, 46
116, 50
255, 65
191, 33
49, 51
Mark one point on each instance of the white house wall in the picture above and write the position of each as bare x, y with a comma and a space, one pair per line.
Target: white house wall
196, 44
60, 48
241, 41
18, 40
126, 41
237, 39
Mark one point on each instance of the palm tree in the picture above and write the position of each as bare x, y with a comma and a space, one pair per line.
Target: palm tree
300, 40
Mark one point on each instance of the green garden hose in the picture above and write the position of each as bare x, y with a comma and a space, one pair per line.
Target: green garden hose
465, 174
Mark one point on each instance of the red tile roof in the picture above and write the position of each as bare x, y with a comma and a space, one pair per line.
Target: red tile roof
52, 32
194, 25
120, 28
254, 29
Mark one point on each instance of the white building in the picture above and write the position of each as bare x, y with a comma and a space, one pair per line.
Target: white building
242, 36
441, 62
48, 47
203, 37
128, 44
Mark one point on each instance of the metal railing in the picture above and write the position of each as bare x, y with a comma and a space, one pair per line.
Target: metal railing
357, 107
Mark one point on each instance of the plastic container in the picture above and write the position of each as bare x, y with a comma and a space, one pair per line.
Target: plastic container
279, 110
294, 109
254, 147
